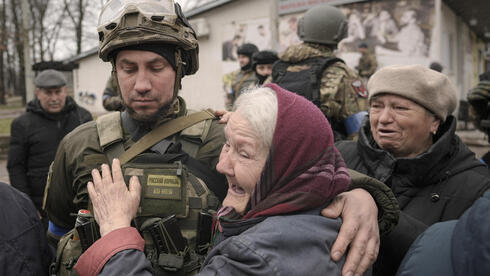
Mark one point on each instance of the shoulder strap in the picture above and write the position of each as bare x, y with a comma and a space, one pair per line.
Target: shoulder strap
320, 64
279, 70
162, 132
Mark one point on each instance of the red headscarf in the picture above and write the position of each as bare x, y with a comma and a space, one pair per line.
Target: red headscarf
304, 169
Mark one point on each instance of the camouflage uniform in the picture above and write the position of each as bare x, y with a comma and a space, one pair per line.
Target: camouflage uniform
111, 99
80, 152
340, 93
240, 81
367, 65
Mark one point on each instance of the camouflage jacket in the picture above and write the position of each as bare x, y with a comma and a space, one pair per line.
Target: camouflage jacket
367, 65
341, 91
80, 152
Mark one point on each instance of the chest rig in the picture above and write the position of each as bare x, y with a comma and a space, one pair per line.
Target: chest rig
176, 206
305, 81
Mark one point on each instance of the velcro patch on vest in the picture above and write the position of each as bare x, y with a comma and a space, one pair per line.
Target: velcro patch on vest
163, 187
360, 88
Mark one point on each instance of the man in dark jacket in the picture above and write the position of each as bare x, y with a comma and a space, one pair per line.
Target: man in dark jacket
35, 135
409, 143
23, 246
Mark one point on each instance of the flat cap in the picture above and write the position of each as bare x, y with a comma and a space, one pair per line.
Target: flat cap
50, 78
424, 86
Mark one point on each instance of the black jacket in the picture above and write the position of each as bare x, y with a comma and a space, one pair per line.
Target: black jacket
34, 138
435, 186
23, 246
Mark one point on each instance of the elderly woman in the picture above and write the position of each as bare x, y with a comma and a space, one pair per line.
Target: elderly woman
409, 143
279, 174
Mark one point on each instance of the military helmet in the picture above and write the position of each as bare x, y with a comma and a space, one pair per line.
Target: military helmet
324, 24
124, 23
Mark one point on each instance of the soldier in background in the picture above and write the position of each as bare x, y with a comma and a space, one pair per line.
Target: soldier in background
478, 98
262, 65
367, 63
436, 66
310, 69
111, 99
241, 79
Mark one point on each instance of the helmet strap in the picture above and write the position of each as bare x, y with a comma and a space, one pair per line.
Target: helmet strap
178, 74
114, 75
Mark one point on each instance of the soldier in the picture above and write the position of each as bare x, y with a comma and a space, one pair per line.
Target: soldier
150, 53
311, 70
173, 152
36, 134
111, 99
436, 66
367, 63
262, 65
241, 79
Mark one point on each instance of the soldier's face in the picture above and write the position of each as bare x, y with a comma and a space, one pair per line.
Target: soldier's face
401, 126
264, 69
242, 160
243, 60
52, 99
146, 81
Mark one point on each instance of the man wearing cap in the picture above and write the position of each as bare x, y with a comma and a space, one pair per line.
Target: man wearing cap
35, 135
409, 143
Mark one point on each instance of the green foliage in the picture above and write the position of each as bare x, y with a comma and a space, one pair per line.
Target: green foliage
5, 125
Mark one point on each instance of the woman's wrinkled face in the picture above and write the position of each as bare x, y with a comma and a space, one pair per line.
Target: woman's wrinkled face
401, 126
242, 160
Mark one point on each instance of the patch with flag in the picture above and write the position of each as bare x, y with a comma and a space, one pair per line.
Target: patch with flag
360, 88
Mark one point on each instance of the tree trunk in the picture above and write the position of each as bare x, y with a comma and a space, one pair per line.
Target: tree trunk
3, 47
19, 47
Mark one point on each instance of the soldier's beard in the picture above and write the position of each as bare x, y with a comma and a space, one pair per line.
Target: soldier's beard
161, 113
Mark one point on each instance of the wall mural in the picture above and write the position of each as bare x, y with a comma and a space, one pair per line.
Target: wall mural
396, 31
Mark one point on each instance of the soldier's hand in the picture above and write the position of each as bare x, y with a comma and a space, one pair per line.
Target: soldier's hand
359, 230
114, 205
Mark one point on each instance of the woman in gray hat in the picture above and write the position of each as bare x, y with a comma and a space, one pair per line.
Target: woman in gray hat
409, 143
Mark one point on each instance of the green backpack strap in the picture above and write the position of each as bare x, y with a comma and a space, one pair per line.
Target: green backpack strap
163, 131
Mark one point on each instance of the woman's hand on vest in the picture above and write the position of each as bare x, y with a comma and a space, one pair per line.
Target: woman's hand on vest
114, 205
223, 115
359, 229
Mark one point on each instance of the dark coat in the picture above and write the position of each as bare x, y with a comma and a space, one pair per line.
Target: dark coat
34, 138
23, 246
453, 248
435, 186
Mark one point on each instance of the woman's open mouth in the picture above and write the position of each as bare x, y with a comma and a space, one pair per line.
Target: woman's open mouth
236, 189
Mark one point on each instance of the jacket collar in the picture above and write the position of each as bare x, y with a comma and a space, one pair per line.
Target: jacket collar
423, 169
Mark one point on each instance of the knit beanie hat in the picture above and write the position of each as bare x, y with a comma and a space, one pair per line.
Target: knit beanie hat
418, 83
165, 50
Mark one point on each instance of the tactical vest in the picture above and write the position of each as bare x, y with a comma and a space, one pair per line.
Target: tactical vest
306, 82
176, 207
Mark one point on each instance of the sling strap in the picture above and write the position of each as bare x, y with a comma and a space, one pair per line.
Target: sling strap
163, 131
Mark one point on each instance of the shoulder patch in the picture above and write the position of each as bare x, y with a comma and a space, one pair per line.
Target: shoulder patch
359, 88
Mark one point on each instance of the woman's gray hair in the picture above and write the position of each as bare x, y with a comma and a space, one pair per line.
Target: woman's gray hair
259, 107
